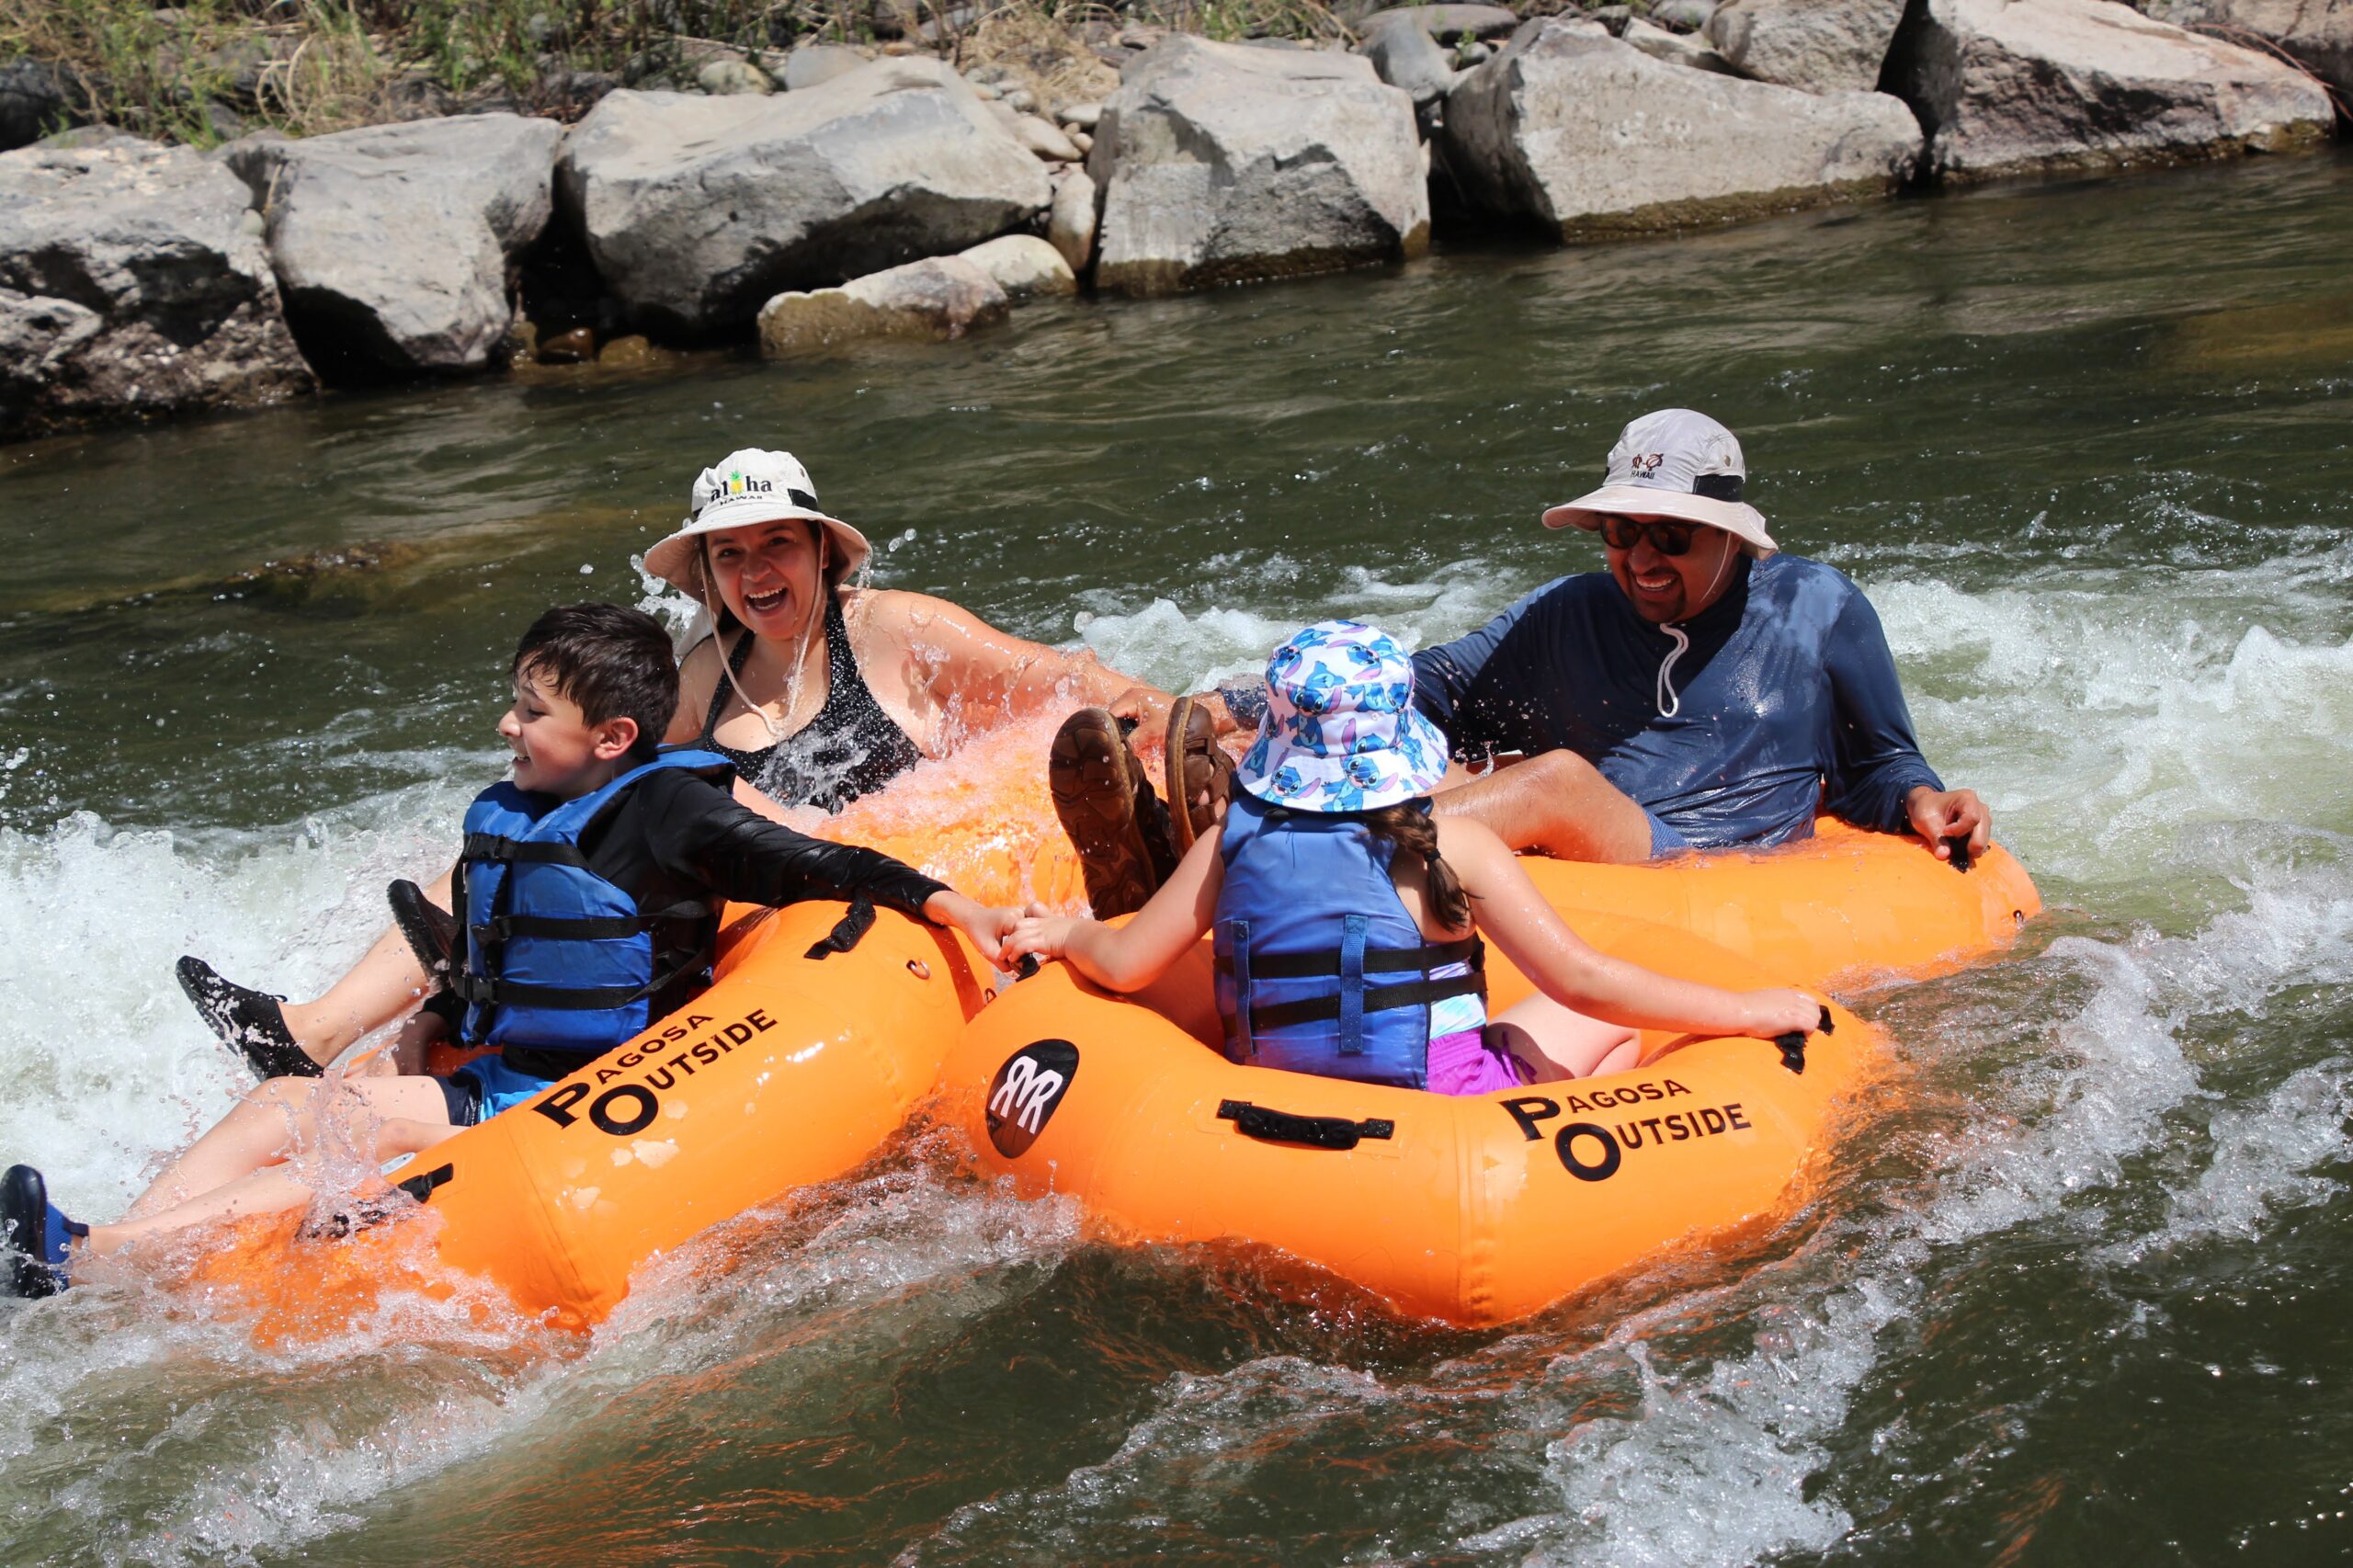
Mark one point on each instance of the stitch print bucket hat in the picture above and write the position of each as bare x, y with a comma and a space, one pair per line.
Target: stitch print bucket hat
1340, 731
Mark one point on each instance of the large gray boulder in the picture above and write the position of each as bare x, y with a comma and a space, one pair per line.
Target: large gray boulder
133, 280
2318, 32
2009, 89
394, 244
938, 297
1821, 46
1070, 226
697, 211
1222, 164
1676, 49
1592, 137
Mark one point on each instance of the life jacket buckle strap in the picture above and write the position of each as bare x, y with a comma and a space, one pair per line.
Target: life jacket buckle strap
1376, 999
1244, 1043
1353, 928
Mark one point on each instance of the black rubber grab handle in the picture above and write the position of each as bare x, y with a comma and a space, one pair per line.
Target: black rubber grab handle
1793, 1044
1024, 966
1958, 844
848, 932
1316, 1132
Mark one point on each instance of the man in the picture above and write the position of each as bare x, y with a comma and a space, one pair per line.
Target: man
1705, 692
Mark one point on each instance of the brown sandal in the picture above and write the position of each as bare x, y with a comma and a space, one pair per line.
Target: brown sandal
1108, 808
1198, 773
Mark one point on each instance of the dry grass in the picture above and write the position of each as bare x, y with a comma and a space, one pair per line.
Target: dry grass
1040, 49
310, 66
306, 66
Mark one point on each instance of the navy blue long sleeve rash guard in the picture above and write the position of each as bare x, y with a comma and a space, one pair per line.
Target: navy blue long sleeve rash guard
1786, 700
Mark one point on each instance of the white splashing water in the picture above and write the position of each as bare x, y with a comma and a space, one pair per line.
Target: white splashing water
2067, 706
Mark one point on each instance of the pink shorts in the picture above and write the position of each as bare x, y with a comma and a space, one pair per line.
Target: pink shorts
1465, 1063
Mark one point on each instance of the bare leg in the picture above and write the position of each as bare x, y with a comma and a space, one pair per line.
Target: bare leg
274, 1123
269, 1191
1542, 1033
404, 1052
1557, 804
383, 984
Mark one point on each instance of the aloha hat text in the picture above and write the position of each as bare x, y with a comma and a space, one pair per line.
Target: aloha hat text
747, 487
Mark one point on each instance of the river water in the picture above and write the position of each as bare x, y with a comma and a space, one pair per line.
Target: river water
2075, 1292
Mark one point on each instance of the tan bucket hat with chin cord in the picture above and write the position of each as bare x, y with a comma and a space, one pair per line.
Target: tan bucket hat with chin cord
1674, 463
746, 487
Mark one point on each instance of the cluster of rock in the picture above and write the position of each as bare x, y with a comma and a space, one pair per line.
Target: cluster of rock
836, 197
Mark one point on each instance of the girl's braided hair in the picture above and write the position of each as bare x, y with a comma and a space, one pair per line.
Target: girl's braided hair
1409, 829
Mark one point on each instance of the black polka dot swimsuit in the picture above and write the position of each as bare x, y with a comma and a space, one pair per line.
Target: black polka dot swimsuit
850, 748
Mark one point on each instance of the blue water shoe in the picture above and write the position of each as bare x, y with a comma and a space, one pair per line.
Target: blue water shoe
33, 1237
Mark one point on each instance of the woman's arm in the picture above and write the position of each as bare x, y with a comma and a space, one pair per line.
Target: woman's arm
958, 662
1131, 957
1514, 914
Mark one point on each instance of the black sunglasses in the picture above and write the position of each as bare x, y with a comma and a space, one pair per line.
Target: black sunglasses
1666, 536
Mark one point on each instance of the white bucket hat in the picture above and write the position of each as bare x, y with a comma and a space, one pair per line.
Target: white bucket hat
1673, 464
1340, 731
752, 486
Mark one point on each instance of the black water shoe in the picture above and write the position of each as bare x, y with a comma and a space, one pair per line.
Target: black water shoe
250, 1021
33, 1236
431, 931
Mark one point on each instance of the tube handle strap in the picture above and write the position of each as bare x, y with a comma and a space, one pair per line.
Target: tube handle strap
848, 932
1793, 1044
1271, 1126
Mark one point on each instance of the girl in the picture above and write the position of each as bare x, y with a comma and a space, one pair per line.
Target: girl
1348, 919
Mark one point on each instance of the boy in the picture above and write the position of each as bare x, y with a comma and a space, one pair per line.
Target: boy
591, 884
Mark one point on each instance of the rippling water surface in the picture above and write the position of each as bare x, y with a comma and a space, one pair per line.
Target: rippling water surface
2078, 1292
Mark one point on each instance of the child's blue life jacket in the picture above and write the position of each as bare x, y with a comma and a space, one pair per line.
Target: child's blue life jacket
555, 955
1319, 968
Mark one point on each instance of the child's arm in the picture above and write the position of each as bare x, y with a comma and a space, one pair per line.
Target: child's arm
1513, 912
1131, 957
746, 857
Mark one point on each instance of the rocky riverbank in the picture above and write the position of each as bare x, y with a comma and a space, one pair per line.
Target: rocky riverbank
813, 198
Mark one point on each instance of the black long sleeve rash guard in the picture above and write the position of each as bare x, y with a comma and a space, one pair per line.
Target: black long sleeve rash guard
674, 837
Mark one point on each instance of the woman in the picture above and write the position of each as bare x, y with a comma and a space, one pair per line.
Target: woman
818, 690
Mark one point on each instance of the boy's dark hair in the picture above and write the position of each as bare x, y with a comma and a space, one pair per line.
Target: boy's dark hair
615, 663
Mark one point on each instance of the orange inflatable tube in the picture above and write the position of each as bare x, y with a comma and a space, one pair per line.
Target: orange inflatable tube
1479, 1210
790, 1070
1843, 904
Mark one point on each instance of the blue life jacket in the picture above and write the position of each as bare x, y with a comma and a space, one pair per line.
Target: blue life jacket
555, 955
1307, 913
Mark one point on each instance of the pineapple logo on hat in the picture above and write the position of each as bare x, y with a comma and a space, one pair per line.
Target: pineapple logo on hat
746, 487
